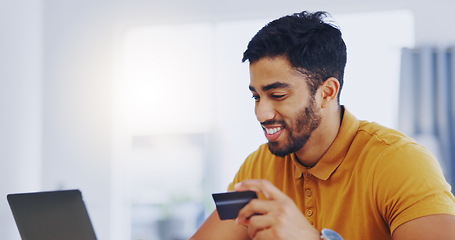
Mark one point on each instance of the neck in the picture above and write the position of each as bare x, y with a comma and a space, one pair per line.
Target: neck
322, 138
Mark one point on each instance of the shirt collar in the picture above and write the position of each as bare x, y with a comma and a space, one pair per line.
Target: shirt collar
336, 152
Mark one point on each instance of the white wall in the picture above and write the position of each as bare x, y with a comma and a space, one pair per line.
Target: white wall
20, 103
56, 81
434, 22
77, 85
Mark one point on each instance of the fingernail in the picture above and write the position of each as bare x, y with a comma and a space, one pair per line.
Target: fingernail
237, 185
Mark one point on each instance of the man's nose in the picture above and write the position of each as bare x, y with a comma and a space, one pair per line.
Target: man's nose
264, 111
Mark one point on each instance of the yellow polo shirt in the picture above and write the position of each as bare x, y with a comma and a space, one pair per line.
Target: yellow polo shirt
370, 181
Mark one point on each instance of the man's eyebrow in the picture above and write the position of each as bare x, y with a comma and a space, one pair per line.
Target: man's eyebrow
275, 86
271, 86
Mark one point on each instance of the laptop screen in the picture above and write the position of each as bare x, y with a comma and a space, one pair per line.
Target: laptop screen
52, 215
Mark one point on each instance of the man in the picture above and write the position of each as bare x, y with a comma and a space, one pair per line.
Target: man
323, 168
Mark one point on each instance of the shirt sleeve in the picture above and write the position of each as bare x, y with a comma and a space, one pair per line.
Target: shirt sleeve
409, 184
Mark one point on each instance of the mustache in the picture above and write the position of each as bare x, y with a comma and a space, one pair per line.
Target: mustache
273, 122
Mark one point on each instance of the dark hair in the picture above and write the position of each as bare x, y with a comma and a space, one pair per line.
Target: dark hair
312, 46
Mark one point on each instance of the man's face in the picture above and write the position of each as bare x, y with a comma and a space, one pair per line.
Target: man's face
284, 106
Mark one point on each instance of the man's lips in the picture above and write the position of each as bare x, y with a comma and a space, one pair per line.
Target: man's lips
273, 132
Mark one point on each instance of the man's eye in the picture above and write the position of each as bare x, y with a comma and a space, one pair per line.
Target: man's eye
278, 96
256, 98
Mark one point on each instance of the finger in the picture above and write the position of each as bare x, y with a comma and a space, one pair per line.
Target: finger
254, 207
260, 185
259, 223
264, 234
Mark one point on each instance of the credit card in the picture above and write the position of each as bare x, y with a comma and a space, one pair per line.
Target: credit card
228, 204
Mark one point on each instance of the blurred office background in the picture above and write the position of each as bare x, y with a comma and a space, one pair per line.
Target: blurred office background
144, 104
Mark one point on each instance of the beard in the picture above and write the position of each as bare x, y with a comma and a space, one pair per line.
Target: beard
307, 120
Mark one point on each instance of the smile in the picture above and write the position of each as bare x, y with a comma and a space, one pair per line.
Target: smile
273, 133
272, 130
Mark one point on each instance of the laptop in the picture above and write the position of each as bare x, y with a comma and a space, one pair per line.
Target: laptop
53, 215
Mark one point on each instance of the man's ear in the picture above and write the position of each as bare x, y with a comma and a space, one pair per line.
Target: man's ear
329, 92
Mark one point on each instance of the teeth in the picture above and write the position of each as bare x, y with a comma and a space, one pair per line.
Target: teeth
272, 130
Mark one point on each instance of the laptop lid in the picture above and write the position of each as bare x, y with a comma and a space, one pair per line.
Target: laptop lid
54, 215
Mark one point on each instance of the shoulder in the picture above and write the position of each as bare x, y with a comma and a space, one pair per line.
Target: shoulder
393, 154
373, 131
390, 148
396, 150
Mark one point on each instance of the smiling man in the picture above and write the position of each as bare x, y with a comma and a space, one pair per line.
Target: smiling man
322, 168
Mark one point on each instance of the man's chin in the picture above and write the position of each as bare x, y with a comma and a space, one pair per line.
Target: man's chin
278, 151
286, 149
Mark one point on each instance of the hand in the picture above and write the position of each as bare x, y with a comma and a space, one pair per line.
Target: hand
275, 218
